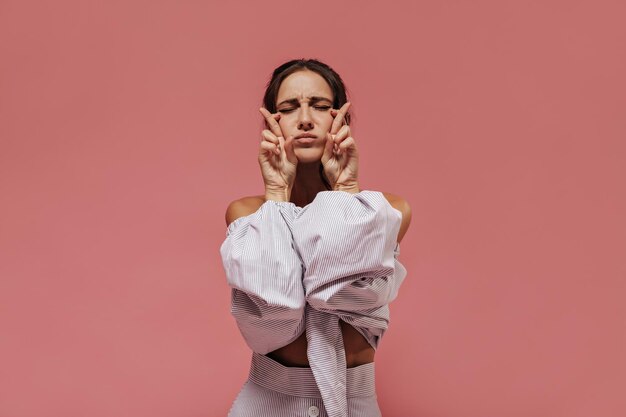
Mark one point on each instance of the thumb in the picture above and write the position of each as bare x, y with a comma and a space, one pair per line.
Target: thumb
291, 155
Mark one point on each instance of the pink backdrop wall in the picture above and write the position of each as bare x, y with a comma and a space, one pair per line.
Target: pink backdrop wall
126, 127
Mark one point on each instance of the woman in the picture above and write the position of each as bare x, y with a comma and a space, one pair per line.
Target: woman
313, 261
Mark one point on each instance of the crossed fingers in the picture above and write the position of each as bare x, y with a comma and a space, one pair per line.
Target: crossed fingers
340, 131
272, 121
273, 134
339, 116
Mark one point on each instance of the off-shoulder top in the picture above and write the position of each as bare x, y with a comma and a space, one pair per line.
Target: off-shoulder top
293, 269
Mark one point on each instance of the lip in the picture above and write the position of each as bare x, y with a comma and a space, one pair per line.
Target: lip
306, 136
304, 140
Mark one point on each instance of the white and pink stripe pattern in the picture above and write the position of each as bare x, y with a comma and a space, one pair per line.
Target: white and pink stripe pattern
275, 390
265, 273
294, 269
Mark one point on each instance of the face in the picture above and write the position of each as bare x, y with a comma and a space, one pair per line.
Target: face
304, 101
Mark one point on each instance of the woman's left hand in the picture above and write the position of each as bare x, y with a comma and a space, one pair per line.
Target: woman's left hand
340, 158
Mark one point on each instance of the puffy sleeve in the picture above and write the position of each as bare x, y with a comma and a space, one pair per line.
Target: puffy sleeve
264, 272
349, 249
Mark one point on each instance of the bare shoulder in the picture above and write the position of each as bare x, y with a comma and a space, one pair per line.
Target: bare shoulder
242, 207
403, 206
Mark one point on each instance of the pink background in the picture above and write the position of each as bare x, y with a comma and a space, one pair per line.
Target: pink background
126, 127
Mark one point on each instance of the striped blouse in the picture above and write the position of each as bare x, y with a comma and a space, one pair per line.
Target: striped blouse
293, 269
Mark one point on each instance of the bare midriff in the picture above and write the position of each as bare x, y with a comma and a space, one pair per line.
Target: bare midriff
358, 351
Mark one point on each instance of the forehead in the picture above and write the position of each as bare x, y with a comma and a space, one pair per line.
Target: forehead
303, 84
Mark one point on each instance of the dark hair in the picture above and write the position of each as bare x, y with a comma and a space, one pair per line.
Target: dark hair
332, 78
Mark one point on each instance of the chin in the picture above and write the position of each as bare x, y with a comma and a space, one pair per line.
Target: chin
307, 155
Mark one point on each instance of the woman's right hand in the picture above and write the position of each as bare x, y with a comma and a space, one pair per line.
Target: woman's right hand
277, 159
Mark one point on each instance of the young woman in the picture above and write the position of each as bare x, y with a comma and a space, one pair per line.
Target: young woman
312, 262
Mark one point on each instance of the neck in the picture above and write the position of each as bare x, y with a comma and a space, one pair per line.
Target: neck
307, 183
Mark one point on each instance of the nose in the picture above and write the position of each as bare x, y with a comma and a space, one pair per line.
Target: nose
304, 119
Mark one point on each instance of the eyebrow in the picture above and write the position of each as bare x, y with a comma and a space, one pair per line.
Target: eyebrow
311, 99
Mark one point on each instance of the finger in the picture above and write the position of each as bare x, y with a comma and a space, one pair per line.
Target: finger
267, 135
291, 155
341, 137
281, 144
269, 147
347, 145
339, 118
343, 133
266, 146
328, 148
271, 121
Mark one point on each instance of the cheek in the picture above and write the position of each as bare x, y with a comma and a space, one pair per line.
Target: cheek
327, 121
282, 123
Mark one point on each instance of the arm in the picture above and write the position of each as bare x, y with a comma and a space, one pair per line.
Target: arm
265, 274
348, 244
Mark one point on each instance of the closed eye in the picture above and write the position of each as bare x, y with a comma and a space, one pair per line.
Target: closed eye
321, 108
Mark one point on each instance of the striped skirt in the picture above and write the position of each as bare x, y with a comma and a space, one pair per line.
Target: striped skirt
275, 390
